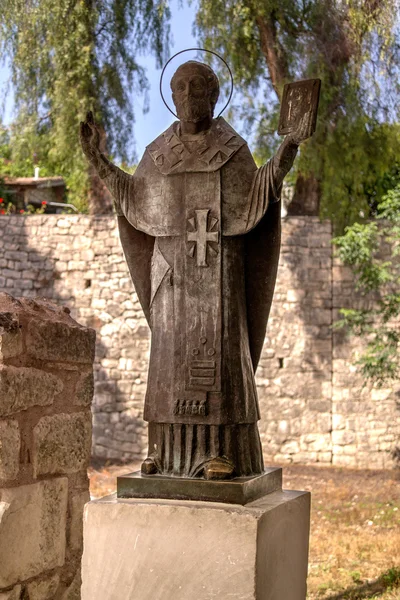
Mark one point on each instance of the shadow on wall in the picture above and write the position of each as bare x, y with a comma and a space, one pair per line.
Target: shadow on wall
76, 261
25, 270
120, 433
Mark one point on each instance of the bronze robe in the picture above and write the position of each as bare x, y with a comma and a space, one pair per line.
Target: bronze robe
200, 226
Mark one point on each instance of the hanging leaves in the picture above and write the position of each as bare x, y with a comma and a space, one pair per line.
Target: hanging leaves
71, 56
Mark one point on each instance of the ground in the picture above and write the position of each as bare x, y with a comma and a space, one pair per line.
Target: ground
355, 533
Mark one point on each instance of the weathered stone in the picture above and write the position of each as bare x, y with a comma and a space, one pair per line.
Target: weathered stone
10, 335
24, 387
84, 390
61, 443
14, 594
44, 589
73, 592
77, 504
10, 443
194, 550
32, 529
343, 438
54, 340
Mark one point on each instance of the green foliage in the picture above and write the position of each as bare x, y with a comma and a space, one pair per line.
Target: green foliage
353, 47
361, 248
68, 57
356, 576
391, 578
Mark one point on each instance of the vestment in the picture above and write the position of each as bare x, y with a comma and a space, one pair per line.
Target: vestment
200, 228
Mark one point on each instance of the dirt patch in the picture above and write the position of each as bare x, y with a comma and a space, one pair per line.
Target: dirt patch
355, 536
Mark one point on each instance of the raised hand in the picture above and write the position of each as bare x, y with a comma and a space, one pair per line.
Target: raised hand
302, 131
90, 137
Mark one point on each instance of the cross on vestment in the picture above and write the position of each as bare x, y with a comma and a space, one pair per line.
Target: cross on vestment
201, 235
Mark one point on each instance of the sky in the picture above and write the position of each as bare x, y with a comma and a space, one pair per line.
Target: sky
149, 125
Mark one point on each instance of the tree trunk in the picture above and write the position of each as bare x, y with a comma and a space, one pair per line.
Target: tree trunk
100, 200
306, 197
274, 53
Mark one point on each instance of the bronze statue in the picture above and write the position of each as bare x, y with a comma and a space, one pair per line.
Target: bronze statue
200, 227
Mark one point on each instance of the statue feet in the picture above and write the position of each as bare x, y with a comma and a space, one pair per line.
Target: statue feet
149, 466
219, 469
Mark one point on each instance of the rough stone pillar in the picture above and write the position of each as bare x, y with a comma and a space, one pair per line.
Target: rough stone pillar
46, 389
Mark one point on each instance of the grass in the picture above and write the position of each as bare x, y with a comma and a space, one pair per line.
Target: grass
355, 533
355, 528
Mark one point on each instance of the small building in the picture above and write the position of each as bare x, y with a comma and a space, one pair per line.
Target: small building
35, 191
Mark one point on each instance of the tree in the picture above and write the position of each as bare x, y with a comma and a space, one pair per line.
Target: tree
353, 47
377, 278
68, 57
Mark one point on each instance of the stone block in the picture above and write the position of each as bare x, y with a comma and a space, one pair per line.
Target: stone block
321, 406
44, 589
343, 437
290, 447
10, 443
10, 336
77, 504
14, 594
24, 387
73, 592
141, 550
84, 390
325, 457
55, 340
62, 443
32, 529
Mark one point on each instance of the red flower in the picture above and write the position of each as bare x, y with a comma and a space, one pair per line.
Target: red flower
22, 211
1, 200
2, 211
44, 203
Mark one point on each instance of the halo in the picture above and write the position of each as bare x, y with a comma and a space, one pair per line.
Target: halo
191, 50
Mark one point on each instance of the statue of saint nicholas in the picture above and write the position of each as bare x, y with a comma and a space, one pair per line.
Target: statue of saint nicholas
200, 228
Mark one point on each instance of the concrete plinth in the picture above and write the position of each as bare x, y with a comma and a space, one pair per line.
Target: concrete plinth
175, 550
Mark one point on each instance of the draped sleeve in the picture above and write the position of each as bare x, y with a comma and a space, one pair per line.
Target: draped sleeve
262, 249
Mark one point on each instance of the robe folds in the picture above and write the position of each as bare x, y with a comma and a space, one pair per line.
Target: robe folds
200, 227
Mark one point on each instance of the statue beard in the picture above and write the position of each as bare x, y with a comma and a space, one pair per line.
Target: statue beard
193, 111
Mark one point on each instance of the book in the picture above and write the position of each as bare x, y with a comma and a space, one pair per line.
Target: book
299, 98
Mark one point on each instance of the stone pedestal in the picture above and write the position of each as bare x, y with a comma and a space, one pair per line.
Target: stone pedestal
176, 550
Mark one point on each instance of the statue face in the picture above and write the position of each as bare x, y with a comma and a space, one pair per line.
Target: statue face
190, 94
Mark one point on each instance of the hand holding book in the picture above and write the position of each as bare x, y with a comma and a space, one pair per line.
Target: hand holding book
299, 109
297, 121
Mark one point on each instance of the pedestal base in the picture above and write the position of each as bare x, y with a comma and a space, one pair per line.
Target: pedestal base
240, 490
175, 550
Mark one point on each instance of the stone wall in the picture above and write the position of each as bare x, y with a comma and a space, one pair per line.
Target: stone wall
46, 389
315, 407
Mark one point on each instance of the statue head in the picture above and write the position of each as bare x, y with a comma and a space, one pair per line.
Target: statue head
195, 91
